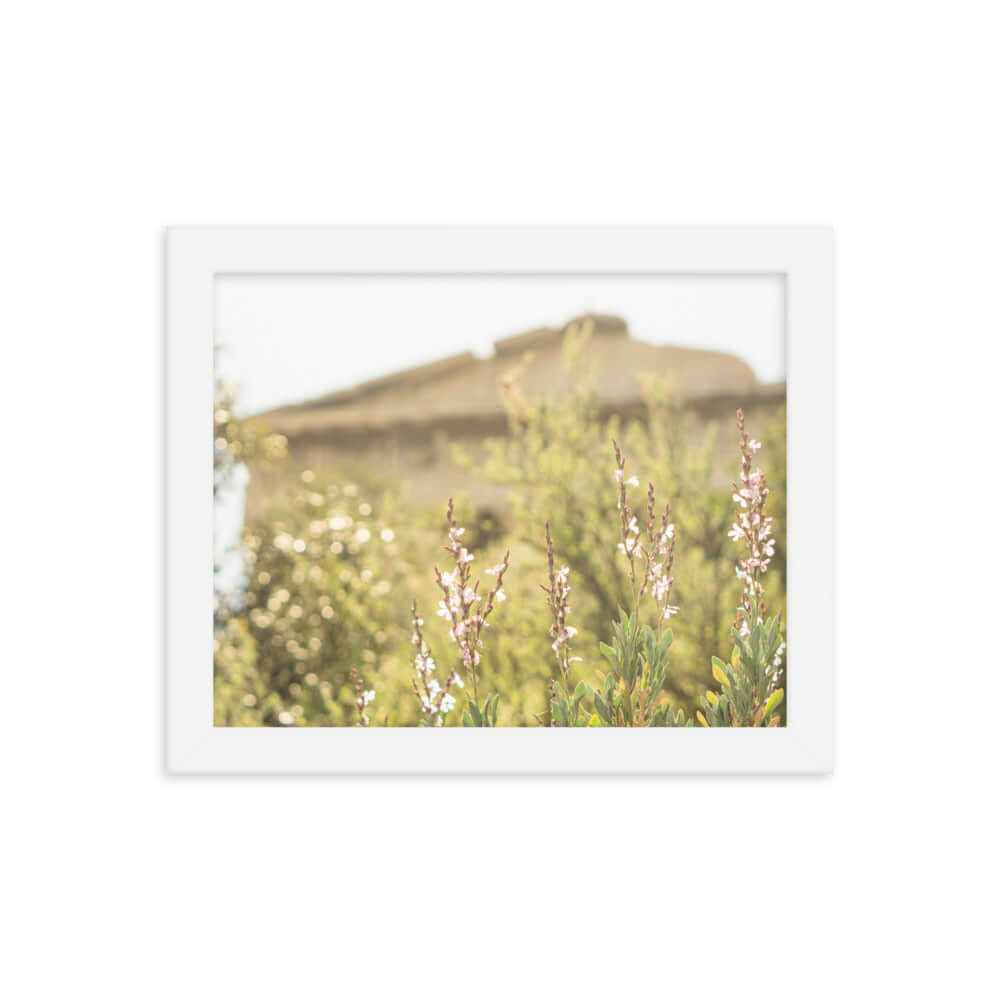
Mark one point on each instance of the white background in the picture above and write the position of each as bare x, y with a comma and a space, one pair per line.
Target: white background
876, 117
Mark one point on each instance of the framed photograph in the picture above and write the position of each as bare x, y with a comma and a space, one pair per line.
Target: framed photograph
499, 500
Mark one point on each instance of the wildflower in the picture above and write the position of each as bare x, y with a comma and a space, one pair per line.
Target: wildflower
564, 636
461, 597
557, 600
661, 587
657, 549
631, 547
753, 528
363, 698
435, 701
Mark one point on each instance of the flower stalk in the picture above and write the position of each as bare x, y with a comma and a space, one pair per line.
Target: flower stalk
362, 698
435, 701
464, 609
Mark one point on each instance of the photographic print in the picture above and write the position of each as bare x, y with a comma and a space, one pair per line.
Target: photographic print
484, 501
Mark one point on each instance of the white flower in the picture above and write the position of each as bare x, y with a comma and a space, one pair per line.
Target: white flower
368, 697
447, 704
753, 445
630, 547
494, 570
501, 596
670, 610
567, 633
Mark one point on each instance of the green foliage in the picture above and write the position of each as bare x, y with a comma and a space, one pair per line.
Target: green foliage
486, 718
630, 695
324, 594
568, 710
748, 692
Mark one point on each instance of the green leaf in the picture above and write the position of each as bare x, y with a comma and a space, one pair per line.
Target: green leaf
718, 673
602, 709
773, 702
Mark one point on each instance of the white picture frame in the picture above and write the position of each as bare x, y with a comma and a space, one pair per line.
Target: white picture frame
803, 257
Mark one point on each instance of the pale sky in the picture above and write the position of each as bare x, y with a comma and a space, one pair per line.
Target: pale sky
286, 339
